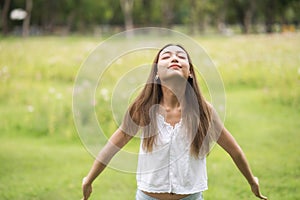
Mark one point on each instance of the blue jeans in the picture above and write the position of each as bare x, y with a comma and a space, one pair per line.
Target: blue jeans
142, 196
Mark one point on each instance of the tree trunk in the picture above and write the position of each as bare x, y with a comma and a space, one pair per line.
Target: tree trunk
127, 6
221, 15
197, 17
194, 22
269, 15
4, 20
26, 22
248, 16
167, 8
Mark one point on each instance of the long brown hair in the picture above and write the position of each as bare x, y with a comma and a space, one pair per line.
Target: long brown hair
195, 110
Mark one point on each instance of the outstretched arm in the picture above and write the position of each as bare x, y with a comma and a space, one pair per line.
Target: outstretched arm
115, 143
229, 144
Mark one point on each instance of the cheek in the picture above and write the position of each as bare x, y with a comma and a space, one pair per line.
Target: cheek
162, 66
186, 66
162, 63
161, 70
186, 70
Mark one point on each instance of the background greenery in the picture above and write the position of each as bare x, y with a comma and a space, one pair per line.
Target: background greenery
42, 157
105, 17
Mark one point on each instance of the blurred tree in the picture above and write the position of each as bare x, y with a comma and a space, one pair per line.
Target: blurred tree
219, 14
195, 19
26, 21
85, 15
127, 6
141, 12
4, 16
201, 10
167, 10
274, 12
147, 13
244, 11
270, 8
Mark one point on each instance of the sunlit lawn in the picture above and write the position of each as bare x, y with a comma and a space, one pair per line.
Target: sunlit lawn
41, 156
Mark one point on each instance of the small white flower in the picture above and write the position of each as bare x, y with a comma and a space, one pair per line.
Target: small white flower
51, 90
30, 108
5, 69
104, 94
58, 96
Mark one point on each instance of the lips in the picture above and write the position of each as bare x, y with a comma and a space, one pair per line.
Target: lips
174, 66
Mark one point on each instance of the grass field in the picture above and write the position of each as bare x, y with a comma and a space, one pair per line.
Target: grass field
42, 157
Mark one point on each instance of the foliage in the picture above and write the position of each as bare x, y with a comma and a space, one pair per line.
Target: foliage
86, 15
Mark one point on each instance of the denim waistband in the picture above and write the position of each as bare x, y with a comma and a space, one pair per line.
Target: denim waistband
142, 196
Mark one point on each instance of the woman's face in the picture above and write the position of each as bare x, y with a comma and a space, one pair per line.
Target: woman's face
173, 62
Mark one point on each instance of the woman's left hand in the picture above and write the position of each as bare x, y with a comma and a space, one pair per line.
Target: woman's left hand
86, 189
255, 189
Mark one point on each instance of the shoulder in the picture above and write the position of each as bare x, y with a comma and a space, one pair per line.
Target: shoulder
216, 122
212, 111
209, 105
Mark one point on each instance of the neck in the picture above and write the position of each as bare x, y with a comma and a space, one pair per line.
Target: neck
173, 91
172, 97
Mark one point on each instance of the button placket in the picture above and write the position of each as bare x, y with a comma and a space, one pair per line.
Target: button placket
172, 159
171, 131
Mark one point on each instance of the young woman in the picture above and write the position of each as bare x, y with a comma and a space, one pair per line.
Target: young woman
178, 129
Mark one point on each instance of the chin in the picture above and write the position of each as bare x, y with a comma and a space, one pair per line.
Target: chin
174, 76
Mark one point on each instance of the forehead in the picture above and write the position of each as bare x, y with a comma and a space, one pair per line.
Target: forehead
172, 49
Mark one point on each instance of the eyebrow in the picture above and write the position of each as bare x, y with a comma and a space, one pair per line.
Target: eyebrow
164, 52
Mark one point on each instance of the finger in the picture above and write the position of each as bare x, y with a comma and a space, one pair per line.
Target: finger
88, 193
85, 196
263, 197
258, 194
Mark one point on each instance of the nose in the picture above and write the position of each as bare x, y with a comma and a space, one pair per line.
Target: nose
174, 59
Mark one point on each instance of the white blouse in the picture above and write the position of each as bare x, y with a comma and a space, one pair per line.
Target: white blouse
170, 167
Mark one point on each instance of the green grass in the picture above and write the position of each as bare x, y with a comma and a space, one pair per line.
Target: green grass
50, 168
268, 134
41, 156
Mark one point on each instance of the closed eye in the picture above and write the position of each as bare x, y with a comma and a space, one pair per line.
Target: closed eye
182, 57
165, 57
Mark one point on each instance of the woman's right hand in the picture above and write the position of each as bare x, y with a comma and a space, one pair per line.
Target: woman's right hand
255, 189
86, 189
